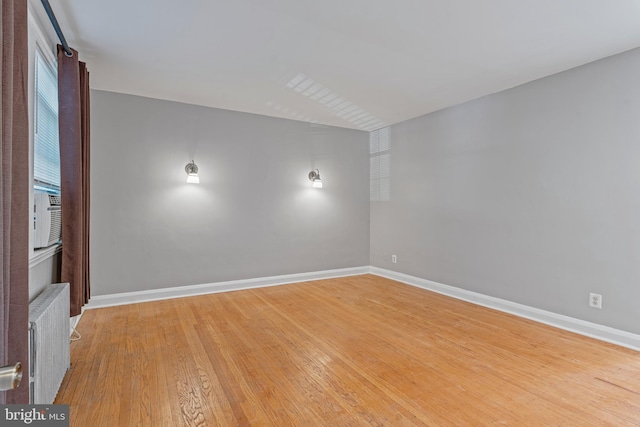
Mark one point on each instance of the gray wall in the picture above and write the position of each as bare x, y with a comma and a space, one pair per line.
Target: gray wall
531, 195
44, 273
254, 213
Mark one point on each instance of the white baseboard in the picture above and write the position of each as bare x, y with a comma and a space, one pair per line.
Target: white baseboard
593, 330
210, 288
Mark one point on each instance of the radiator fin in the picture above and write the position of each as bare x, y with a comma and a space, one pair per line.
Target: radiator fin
49, 341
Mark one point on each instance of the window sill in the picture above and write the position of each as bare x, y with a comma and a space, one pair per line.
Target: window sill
40, 255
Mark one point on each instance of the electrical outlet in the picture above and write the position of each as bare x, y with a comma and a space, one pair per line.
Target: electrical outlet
394, 259
595, 300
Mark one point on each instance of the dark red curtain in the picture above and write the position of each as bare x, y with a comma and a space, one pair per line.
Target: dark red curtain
14, 195
73, 114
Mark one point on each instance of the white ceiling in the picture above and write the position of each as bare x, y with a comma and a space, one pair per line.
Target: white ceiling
360, 64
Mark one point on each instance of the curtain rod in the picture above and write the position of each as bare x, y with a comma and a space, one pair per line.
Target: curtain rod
56, 26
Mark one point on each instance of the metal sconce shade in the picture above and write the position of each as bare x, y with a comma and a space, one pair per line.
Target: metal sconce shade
314, 177
192, 173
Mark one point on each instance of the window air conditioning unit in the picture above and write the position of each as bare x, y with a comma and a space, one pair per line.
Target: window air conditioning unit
47, 219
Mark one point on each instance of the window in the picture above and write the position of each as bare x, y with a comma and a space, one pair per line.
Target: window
46, 148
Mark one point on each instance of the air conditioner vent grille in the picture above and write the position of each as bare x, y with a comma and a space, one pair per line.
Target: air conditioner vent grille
56, 227
54, 200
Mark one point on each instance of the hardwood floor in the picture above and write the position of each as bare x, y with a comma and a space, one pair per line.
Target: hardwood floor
354, 351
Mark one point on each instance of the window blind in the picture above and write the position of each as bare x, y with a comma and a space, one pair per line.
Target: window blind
46, 151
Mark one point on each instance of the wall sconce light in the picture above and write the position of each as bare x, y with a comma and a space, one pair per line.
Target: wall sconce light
192, 173
314, 177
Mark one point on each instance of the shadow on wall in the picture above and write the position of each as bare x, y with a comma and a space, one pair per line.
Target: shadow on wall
380, 165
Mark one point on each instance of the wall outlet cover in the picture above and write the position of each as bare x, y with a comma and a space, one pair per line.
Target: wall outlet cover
595, 300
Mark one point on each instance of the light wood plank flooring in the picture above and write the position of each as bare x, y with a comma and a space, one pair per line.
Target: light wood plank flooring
357, 351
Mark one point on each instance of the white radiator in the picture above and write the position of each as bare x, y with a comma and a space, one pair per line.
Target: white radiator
48, 342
